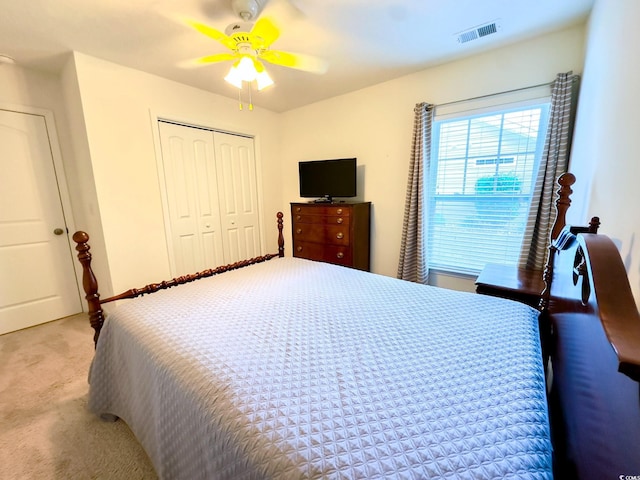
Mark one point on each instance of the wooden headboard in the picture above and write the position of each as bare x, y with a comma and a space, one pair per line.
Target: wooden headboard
595, 357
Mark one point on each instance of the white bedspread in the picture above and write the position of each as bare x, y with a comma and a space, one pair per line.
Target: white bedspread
299, 369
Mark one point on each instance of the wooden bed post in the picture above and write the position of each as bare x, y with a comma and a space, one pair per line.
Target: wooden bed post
562, 203
280, 236
89, 283
594, 224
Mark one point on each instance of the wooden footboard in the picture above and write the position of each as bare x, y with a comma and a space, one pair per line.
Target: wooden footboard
90, 284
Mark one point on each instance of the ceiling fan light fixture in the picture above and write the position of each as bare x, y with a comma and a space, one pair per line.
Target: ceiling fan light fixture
234, 77
263, 80
247, 68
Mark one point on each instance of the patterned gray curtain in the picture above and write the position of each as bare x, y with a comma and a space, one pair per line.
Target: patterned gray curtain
554, 162
413, 263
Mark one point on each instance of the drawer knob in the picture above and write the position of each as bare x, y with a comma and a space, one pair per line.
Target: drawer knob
339, 211
339, 220
298, 231
340, 255
298, 217
299, 249
298, 209
339, 235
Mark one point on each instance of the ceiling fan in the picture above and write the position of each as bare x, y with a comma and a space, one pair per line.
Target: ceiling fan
250, 44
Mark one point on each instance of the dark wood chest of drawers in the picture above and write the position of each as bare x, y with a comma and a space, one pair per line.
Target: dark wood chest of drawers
332, 232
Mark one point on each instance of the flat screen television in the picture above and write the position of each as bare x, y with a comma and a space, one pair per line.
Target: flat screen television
326, 179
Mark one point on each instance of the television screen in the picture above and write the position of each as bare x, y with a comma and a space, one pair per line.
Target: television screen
325, 179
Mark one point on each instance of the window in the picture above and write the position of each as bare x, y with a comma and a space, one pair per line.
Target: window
482, 173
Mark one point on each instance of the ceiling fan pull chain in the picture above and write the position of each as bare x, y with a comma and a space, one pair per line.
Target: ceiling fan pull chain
250, 99
240, 99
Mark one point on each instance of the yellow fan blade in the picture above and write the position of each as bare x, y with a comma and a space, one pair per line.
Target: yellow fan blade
266, 33
213, 33
207, 60
298, 61
218, 57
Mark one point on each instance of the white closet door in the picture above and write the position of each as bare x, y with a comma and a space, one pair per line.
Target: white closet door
237, 181
37, 279
211, 197
192, 198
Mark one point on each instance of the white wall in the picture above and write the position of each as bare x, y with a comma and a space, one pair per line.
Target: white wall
21, 86
605, 149
118, 105
375, 124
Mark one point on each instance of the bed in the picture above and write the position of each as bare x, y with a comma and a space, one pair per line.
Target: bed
288, 368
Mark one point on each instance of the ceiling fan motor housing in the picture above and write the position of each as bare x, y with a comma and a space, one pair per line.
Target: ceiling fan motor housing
247, 9
238, 28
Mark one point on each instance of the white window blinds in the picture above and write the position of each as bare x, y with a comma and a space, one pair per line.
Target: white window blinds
484, 163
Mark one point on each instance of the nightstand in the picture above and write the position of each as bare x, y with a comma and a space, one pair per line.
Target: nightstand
520, 284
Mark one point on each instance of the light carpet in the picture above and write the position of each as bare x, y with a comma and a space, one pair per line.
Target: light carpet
46, 431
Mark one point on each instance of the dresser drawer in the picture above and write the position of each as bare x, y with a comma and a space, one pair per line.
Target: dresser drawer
315, 209
320, 233
340, 255
321, 219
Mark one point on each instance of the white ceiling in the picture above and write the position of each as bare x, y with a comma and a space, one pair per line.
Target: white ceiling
365, 42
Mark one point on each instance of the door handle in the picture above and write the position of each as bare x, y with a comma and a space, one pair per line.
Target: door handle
58, 231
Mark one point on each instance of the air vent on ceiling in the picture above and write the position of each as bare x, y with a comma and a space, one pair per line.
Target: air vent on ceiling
478, 32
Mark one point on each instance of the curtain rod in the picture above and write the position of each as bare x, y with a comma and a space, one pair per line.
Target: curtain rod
493, 94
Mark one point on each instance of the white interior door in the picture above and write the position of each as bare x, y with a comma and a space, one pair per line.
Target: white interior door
37, 279
211, 197
192, 198
237, 183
